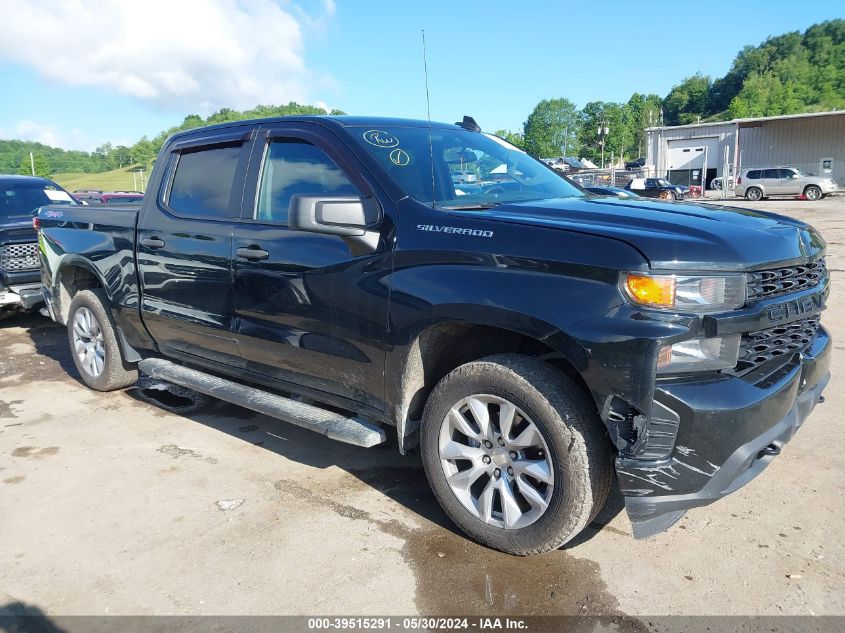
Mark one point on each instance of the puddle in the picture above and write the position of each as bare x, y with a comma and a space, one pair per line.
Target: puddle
456, 576
6, 408
34, 451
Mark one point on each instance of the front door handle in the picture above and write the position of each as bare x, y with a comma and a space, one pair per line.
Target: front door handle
152, 242
253, 253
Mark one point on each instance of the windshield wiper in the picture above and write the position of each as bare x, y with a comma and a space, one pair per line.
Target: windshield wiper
474, 205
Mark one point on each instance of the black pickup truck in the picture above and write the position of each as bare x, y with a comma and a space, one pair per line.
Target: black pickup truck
20, 278
533, 341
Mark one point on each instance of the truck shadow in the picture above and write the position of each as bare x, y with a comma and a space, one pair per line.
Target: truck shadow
400, 478
19, 616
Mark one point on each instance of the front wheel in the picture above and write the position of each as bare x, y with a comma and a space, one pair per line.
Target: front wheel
753, 194
515, 453
813, 193
93, 343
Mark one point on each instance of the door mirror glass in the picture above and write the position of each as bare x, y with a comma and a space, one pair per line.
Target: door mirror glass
335, 215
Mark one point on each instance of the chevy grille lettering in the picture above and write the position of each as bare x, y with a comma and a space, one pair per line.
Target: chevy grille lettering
793, 308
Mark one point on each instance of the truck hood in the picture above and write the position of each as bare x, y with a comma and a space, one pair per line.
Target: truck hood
673, 235
17, 229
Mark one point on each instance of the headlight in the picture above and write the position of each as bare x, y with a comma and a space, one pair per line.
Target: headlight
698, 293
700, 354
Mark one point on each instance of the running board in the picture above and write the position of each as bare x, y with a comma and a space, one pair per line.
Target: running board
333, 425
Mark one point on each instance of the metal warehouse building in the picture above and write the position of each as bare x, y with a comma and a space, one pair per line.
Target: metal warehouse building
814, 143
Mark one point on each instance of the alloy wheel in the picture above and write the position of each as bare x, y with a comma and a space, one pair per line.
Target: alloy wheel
88, 342
496, 461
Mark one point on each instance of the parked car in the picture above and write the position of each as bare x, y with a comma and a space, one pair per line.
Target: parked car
655, 188
110, 197
612, 191
635, 164
20, 278
464, 177
716, 183
532, 343
756, 183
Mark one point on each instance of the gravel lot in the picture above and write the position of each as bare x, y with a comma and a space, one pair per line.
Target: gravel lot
110, 504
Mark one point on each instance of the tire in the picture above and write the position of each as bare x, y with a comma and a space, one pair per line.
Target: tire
571, 450
754, 194
93, 343
666, 195
813, 192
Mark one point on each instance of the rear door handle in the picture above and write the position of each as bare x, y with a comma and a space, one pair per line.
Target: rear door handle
152, 242
254, 253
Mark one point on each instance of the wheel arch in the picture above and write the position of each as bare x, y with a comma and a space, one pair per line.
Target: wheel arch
438, 347
72, 275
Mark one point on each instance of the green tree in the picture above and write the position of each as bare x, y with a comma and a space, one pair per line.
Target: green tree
122, 156
143, 151
688, 101
42, 167
514, 138
551, 127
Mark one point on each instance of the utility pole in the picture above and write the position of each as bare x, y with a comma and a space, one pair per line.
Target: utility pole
32, 163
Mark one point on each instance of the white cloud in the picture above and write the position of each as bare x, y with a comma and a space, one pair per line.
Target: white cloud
49, 135
195, 55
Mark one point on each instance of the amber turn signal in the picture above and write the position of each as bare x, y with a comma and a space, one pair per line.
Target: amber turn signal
652, 291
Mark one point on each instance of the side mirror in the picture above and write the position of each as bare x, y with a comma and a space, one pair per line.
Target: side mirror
350, 217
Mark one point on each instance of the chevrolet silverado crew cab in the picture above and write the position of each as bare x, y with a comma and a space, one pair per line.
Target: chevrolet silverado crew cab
20, 278
532, 341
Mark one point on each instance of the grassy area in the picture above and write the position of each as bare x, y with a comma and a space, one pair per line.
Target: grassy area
115, 180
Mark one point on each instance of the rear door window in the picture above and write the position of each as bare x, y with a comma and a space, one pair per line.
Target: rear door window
202, 184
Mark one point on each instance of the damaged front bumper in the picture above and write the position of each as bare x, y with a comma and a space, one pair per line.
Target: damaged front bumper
22, 296
728, 431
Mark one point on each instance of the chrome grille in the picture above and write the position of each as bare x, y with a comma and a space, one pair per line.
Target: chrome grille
763, 284
760, 347
19, 256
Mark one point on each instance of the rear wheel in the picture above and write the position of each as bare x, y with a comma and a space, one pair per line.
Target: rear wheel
515, 453
754, 194
813, 193
93, 343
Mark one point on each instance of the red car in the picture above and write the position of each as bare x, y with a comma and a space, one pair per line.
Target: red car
109, 197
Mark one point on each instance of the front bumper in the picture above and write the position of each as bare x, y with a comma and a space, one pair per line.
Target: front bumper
728, 431
24, 296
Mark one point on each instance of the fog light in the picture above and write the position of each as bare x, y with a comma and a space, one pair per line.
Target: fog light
700, 354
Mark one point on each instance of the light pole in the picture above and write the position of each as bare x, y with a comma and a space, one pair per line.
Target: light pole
603, 132
565, 141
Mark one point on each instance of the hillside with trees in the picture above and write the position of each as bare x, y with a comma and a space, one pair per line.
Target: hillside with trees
786, 74
14, 155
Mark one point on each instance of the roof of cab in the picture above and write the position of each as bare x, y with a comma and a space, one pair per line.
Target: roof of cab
328, 120
9, 178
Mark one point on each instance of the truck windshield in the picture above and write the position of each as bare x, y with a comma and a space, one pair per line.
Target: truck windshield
470, 169
21, 199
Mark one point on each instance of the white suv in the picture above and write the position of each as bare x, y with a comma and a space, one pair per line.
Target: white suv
757, 183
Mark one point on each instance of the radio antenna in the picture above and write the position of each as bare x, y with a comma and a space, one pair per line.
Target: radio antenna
428, 109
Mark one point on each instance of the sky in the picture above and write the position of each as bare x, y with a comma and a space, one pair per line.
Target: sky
79, 73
